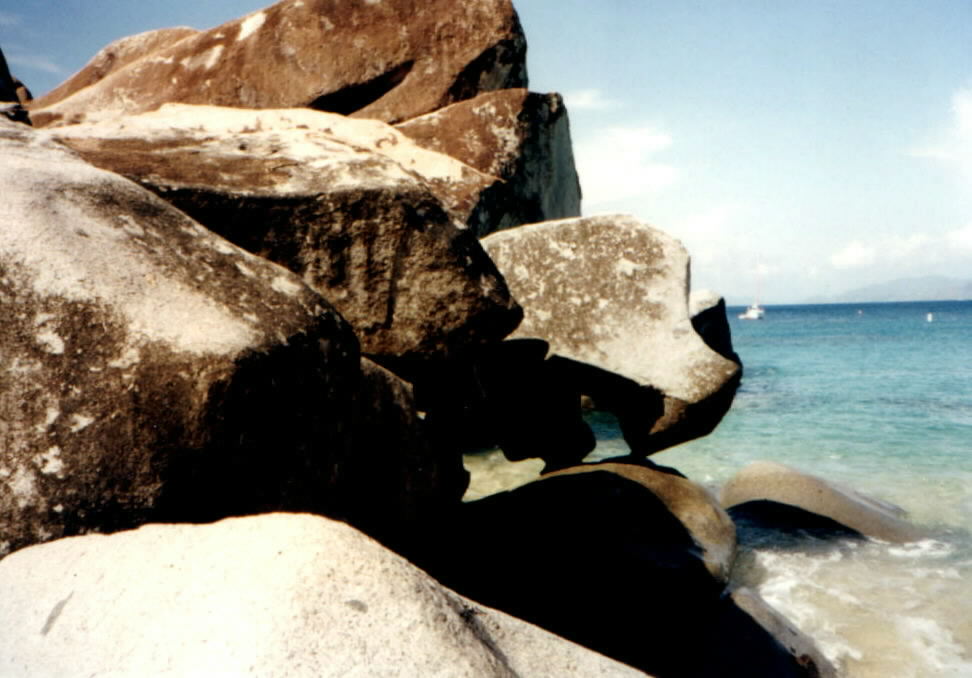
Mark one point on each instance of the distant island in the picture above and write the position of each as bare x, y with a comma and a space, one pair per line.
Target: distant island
925, 288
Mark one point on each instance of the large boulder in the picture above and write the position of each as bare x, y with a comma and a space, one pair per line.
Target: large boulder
390, 60
775, 495
707, 310
610, 295
274, 595
520, 138
151, 369
350, 205
114, 57
597, 556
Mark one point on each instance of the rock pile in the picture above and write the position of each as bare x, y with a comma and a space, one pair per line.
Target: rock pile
241, 274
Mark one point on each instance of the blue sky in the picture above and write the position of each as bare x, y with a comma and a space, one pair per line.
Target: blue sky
797, 148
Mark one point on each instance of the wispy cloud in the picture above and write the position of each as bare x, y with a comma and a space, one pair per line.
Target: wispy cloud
589, 100
955, 143
854, 255
8, 19
620, 162
34, 62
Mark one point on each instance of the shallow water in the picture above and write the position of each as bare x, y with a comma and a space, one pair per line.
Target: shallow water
874, 397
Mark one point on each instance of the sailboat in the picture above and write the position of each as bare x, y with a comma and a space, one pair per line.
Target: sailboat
753, 312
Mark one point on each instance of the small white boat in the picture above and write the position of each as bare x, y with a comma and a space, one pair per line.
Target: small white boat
930, 317
753, 312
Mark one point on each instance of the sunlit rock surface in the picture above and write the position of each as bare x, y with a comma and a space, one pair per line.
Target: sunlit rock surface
522, 140
274, 595
610, 294
151, 369
391, 60
353, 206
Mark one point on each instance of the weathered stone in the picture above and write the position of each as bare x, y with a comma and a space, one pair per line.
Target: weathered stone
709, 525
609, 294
776, 495
800, 645
599, 559
12, 94
520, 138
274, 595
333, 199
151, 369
389, 60
708, 312
114, 57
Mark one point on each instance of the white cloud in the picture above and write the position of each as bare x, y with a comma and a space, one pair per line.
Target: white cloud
955, 146
619, 162
34, 62
8, 19
960, 239
854, 255
589, 100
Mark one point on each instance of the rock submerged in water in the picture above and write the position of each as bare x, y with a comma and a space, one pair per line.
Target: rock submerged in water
610, 295
274, 595
386, 60
776, 495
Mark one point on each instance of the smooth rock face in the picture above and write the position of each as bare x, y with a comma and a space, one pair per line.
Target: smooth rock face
763, 484
114, 57
151, 369
273, 595
709, 525
596, 556
391, 60
522, 139
336, 200
611, 293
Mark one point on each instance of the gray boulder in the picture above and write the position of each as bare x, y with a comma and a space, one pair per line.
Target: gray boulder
389, 60
151, 369
778, 495
522, 140
610, 295
350, 205
273, 595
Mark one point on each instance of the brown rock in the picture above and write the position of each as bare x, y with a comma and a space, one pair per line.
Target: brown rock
610, 295
390, 60
115, 57
151, 369
520, 138
339, 201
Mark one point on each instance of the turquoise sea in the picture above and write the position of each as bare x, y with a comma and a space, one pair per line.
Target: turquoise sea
877, 397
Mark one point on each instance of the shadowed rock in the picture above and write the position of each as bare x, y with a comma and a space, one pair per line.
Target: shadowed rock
350, 205
611, 293
151, 369
522, 139
600, 555
12, 95
274, 595
390, 60
777, 495
708, 312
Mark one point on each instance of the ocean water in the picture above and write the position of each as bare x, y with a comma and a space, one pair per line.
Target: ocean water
875, 397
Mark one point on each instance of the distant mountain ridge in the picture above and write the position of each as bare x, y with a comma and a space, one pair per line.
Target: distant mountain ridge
924, 288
